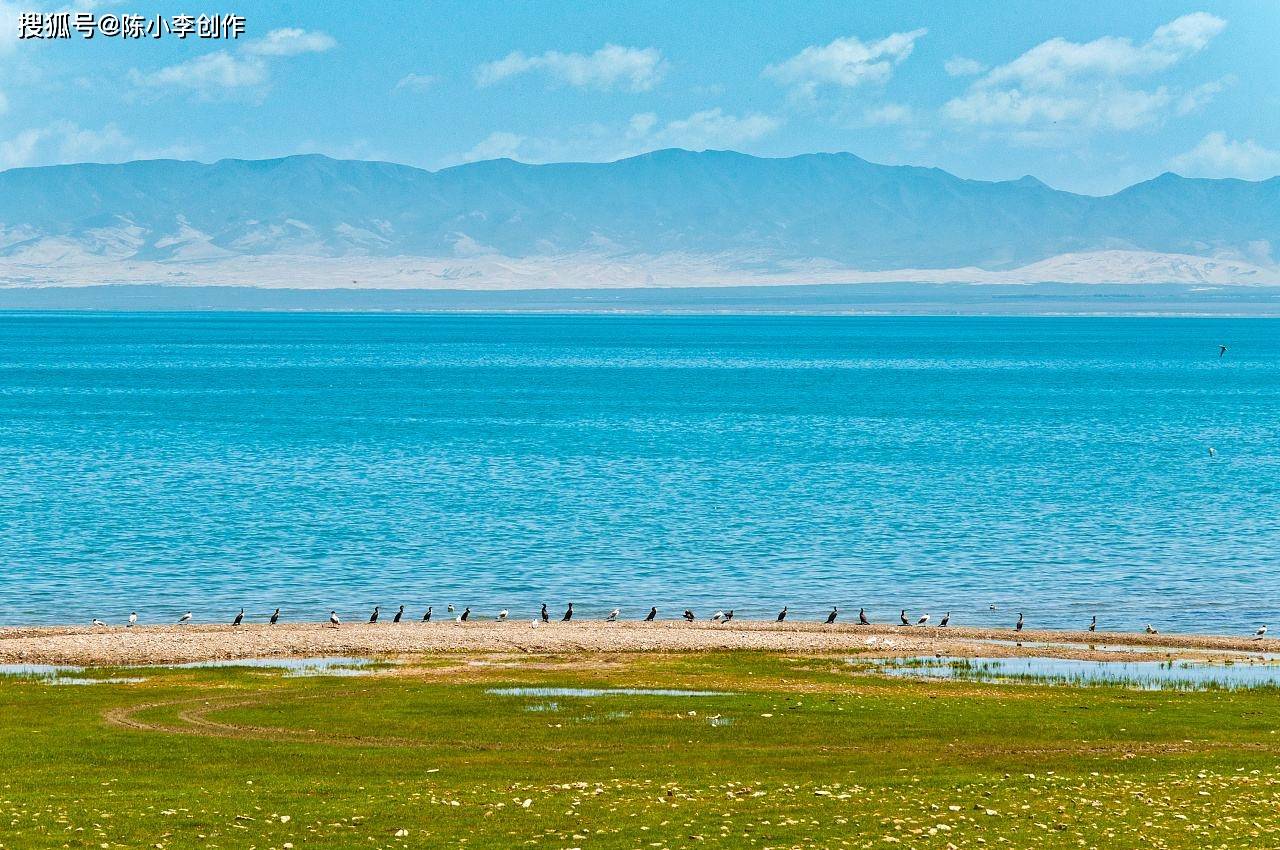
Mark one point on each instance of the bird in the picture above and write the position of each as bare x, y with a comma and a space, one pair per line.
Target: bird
613, 616
653, 612
1151, 630
1018, 627
239, 618
546, 618
1093, 623
465, 615
133, 618
903, 618
992, 607
831, 618
426, 618
688, 615
946, 618
1260, 633
275, 616
1222, 349
184, 619
717, 616
502, 615
98, 622
782, 615
373, 618
728, 616
568, 614
924, 618
333, 619
1213, 452
450, 609
398, 615
862, 617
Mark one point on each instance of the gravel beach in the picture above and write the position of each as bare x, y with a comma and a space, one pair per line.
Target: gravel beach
120, 646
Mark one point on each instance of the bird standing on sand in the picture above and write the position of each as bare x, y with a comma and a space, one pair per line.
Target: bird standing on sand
239, 618
717, 616
503, 614
1222, 349
426, 618
568, 614
133, 618
465, 615
398, 615
862, 617
546, 618
831, 618
1260, 633
688, 615
333, 619
946, 618
653, 612
97, 622
275, 616
903, 618
782, 615
373, 618
1151, 630
184, 619
1018, 627
613, 616
923, 619
1093, 623
728, 616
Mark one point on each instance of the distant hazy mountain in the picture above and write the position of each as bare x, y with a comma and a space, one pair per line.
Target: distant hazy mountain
664, 218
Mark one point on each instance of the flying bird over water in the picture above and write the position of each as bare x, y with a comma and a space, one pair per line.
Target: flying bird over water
1018, 627
782, 615
426, 618
546, 618
373, 618
653, 612
946, 618
568, 614
862, 617
831, 618
1222, 349
398, 615
923, 619
184, 619
275, 616
613, 616
97, 622
133, 618
903, 618
333, 619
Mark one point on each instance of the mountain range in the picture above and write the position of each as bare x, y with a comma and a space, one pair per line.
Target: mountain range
666, 218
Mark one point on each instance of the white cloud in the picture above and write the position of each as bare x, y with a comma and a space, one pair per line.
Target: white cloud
1218, 156
845, 63
888, 113
960, 66
416, 82
290, 42
1060, 82
712, 128
223, 73
495, 146
1194, 99
61, 142
609, 67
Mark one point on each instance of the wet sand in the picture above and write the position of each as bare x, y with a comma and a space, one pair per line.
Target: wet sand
120, 646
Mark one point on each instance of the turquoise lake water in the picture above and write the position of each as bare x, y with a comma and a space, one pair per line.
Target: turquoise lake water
1059, 467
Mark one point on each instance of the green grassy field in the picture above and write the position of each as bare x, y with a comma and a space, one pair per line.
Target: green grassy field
797, 752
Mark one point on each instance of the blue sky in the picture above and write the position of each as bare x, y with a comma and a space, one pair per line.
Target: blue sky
1089, 97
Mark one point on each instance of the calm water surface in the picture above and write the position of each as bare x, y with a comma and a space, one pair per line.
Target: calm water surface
1060, 467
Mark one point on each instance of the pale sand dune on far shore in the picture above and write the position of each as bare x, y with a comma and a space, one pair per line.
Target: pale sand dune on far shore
119, 646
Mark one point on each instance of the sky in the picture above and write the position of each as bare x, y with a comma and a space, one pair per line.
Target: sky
1088, 97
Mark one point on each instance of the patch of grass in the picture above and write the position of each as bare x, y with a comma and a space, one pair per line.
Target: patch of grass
802, 751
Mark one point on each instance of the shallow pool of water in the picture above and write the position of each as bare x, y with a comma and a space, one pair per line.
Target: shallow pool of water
324, 666
601, 692
1151, 675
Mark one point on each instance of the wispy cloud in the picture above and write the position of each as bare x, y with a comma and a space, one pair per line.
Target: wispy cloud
63, 141
1219, 156
415, 82
224, 73
844, 63
610, 67
960, 66
1081, 85
888, 114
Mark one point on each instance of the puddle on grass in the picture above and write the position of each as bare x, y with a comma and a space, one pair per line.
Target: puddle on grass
1173, 675
601, 692
55, 674
80, 680
335, 666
